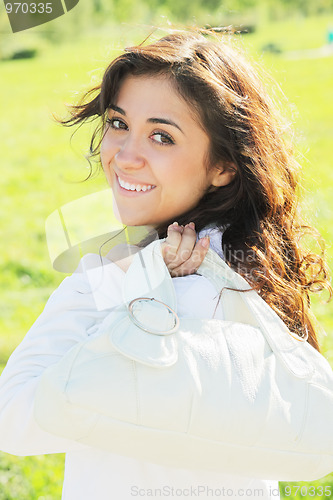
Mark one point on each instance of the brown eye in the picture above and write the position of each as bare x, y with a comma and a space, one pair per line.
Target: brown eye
116, 123
163, 138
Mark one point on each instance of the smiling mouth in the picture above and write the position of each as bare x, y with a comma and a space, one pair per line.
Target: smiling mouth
134, 187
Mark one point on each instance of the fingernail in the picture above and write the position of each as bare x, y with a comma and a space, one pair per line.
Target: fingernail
176, 227
192, 225
205, 242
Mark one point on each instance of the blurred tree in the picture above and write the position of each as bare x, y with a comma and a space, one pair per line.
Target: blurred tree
97, 6
213, 12
307, 7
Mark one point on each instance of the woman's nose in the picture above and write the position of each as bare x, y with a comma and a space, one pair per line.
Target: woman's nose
129, 155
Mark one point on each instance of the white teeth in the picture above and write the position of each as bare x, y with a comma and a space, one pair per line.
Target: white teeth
133, 187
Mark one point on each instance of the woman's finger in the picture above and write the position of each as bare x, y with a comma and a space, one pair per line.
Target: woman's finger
191, 265
187, 244
185, 247
171, 244
181, 253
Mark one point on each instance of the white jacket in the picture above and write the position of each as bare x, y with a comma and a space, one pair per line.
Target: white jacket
74, 312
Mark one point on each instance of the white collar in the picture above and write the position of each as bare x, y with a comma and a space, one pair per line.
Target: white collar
215, 235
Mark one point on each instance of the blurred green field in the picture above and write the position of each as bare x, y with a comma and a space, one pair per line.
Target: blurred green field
41, 171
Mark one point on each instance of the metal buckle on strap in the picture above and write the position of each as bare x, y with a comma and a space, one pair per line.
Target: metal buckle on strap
144, 327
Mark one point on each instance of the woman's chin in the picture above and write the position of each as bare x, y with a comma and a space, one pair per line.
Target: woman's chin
130, 218
134, 220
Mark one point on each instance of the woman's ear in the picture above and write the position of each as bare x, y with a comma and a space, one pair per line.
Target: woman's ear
223, 174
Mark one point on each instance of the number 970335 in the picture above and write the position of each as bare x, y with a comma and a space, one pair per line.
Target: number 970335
307, 491
28, 8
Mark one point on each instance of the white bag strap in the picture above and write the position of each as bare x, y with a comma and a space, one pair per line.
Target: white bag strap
148, 276
292, 352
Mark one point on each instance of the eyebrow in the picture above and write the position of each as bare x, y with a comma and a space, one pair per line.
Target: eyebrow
165, 121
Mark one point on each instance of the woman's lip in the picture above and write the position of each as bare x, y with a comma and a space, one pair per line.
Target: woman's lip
135, 182
127, 192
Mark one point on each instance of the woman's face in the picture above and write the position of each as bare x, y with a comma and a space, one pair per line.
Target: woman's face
153, 153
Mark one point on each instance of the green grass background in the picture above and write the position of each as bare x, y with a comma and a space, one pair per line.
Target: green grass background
40, 171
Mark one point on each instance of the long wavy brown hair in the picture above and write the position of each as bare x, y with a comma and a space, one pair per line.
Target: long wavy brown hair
258, 211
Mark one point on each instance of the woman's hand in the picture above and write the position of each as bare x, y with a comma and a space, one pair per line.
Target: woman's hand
181, 253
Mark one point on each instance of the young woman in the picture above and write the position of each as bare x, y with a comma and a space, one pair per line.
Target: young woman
191, 145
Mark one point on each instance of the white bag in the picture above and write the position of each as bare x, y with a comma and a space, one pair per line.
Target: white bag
239, 396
